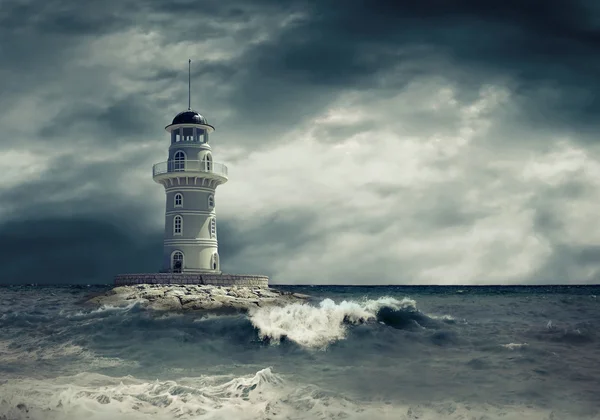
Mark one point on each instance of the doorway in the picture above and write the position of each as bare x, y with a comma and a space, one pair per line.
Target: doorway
177, 262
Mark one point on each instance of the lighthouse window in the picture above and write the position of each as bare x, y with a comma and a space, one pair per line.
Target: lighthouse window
199, 134
178, 200
207, 160
177, 225
213, 227
211, 201
175, 136
187, 133
179, 161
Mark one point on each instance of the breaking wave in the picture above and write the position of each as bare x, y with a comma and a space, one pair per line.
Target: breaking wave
263, 395
319, 326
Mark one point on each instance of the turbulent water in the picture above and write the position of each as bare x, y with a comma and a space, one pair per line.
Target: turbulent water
350, 353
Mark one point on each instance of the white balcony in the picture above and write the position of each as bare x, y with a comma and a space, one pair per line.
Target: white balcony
189, 168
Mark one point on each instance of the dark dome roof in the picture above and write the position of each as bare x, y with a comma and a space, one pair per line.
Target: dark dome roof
189, 117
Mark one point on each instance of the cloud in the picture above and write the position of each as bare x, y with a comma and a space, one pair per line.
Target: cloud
77, 250
439, 143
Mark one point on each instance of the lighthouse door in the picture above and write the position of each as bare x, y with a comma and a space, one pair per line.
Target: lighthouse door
177, 263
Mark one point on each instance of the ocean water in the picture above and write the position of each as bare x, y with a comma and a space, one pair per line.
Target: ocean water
349, 353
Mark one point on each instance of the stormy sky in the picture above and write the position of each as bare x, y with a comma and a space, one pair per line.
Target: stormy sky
368, 142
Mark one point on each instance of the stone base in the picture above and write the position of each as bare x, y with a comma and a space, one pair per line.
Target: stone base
188, 278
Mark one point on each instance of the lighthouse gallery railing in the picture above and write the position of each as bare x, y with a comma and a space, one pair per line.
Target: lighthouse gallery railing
189, 166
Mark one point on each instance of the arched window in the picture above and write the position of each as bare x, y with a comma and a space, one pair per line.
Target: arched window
177, 261
207, 161
178, 200
211, 201
213, 227
177, 225
215, 261
179, 161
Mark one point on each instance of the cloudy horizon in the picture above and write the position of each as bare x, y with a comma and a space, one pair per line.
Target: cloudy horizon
367, 142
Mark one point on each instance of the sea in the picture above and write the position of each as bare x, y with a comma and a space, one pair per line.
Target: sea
429, 352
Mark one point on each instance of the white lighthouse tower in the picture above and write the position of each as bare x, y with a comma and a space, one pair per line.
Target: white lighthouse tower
190, 178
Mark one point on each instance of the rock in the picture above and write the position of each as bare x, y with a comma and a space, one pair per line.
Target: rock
168, 303
194, 305
175, 292
152, 294
196, 297
189, 299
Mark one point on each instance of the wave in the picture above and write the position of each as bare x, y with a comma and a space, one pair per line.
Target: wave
107, 310
262, 395
26, 352
96, 396
111, 329
319, 326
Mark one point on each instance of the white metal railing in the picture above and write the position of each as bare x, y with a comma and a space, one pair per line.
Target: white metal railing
189, 166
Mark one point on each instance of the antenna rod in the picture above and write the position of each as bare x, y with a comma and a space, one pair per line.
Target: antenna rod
189, 84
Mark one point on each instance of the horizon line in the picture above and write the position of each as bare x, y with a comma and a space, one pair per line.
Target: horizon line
325, 285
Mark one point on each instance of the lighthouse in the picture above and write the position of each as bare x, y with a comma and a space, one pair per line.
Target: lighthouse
190, 177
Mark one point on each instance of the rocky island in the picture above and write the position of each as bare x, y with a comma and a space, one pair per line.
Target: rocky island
188, 297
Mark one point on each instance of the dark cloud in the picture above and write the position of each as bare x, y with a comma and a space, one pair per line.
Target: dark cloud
72, 186
75, 250
285, 232
569, 264
114, 122
547, 50
298, 70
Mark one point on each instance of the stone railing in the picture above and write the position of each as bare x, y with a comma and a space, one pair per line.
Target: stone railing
184, 278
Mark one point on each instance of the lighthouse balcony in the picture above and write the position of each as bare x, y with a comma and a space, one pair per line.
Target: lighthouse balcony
198, 168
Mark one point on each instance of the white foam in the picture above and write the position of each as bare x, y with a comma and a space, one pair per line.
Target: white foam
316, 327
442, 317
124, 307
515, 346
263, 395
